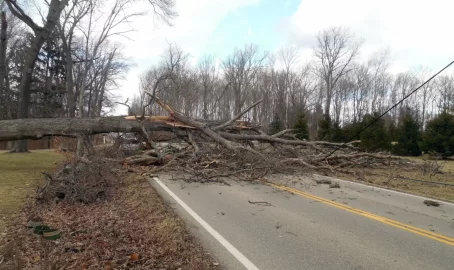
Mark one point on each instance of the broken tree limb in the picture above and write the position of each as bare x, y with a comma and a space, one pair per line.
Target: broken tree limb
348, 145
238, 116
298, 161
261, 203
193, 142
268, 139
147, 137
201, 126
353, 156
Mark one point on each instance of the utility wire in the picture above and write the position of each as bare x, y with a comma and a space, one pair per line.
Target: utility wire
394, 106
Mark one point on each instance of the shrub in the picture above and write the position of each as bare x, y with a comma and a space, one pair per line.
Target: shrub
439, 135
375, 137
276, 125
301, 127
408, 136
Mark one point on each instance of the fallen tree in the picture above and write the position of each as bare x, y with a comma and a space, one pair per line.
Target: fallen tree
209, 150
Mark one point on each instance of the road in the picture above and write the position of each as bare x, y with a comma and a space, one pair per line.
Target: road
313, 226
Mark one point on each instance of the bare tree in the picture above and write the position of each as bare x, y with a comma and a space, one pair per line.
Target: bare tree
165, 79
164, 10
240, 68
118, 16
336, 49
71, 18
207, 71
445, 87
289, 57
41, 34
426, 95
402, 85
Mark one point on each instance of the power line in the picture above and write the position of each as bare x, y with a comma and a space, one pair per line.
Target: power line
395, 105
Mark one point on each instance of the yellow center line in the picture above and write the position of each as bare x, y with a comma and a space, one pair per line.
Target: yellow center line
391, 222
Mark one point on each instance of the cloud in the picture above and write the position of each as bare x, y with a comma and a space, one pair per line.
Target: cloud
417, 31
191, 30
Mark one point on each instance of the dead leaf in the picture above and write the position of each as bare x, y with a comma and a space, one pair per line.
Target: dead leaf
134, 257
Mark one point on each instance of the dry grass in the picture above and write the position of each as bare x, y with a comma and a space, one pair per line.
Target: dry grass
20, 174
419, 168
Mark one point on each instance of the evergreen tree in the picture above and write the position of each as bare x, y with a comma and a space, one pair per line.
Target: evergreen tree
330, 131
408, 136
375, 137
393, 131
351, 130
301, 126
325, 128
439, 135
337, 133
276, 125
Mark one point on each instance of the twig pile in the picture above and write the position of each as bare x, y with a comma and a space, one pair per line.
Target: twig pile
213, 151
79, 181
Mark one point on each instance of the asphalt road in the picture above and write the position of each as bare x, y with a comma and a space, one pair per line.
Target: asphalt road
351, 227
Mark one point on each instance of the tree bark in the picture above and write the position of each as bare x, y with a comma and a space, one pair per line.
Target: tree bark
71, 105
3, 45
41, 127
25, 83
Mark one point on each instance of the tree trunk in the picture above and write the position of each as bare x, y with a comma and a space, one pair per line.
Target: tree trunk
25, 83
71, 105
3, 45
329, 96
237, 94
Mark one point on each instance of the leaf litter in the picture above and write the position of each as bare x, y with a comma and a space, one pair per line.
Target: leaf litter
133, 229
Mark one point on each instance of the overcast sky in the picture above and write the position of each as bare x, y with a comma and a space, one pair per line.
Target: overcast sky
418, 32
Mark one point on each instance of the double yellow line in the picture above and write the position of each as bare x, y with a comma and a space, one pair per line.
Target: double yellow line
425, 233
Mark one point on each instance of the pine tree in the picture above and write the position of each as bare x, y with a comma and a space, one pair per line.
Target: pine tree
301, 126
351, 130
439, 135
276, 125
375, 137
408, 137
393, 131
337, 133
325, 128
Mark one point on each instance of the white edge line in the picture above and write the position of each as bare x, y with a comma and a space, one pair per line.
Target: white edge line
385, 189
235, 252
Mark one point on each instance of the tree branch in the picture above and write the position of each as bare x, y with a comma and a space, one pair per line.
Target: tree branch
236, 117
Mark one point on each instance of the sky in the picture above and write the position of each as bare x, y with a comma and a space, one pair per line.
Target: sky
418, 32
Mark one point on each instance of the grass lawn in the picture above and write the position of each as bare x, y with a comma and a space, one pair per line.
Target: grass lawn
19, 176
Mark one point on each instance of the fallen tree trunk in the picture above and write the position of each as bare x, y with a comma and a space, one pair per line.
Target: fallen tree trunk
37, 128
